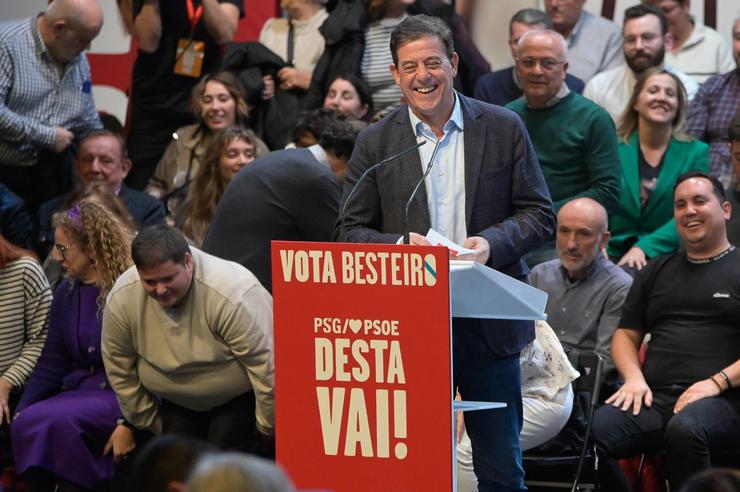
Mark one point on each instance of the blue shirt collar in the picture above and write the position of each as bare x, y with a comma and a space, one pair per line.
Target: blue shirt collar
455, 121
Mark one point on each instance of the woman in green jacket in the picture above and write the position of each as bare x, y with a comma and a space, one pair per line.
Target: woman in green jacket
653, 152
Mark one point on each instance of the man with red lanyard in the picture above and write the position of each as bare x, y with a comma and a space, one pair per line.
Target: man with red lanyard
179, 42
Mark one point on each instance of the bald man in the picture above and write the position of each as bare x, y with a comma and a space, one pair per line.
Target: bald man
45, 96
586, 291
574, 138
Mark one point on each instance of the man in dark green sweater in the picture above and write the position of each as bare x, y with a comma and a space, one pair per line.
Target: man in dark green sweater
574, 138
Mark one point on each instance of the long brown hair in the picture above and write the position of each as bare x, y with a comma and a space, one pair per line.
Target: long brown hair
10, 252
209, 184
630, 117
232, 84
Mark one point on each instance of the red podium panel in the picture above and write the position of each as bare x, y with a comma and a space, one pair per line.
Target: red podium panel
363, 366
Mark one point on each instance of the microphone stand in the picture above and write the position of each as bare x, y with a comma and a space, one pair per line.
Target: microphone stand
362, 177
406, 231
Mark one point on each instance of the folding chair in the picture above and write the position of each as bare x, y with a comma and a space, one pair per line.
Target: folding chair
567, 471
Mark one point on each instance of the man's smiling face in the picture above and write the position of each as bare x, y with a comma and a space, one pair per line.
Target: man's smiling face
425, 75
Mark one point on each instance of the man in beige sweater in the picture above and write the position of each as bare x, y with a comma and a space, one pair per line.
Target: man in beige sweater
187, 343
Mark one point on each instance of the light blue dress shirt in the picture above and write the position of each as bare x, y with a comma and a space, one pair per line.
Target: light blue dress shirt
445, 184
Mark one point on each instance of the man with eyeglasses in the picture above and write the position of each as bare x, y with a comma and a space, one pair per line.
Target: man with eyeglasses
646, 39
574, 139
503, 86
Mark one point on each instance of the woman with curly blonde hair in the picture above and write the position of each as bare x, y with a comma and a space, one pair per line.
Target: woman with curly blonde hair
68, 429
229, 151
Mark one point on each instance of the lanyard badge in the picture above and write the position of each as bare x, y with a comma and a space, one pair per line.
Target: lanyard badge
190, 53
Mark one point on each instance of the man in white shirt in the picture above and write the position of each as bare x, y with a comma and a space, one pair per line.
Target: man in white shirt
646, 39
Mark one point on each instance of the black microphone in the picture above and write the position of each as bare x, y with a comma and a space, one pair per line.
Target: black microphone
406, 231
362, 177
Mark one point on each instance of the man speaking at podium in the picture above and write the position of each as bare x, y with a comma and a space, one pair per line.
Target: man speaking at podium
485, 190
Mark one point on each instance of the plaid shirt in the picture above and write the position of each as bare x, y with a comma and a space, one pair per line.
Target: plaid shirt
710, 113
35, 97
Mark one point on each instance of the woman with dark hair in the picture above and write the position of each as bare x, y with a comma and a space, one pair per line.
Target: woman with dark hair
219, 102
653, 152
228, 152
25, 298
68, 429
350, 95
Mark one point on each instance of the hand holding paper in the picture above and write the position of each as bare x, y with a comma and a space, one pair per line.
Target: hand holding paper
437, 239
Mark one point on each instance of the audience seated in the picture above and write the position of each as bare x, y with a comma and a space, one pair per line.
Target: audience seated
15, 222
237, 472
161, 82
68, 428
733, 195
218, 101
653, 152
585, 291
503, 86
96, 192
685, 397
712, 109
574, 138
547, 400
25, 298
229, 151
287, 195
165, 463
353, 47
646, 39
593, 41
101, 158
698, 51
350, 95
297, 40
45, 97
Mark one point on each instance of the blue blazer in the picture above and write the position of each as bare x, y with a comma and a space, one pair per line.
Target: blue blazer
506, 199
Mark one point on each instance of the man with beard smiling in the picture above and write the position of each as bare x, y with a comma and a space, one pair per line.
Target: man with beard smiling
684, 398
574, 138
485, 191
646, 39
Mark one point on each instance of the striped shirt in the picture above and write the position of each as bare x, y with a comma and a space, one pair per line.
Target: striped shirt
25, 298
35, 97
376, 61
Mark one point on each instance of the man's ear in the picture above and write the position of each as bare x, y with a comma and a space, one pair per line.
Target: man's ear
58, 27
668, 40
454, 62
126, 167
394, 72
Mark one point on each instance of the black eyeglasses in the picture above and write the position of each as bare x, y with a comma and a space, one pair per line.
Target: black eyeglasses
61, 249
